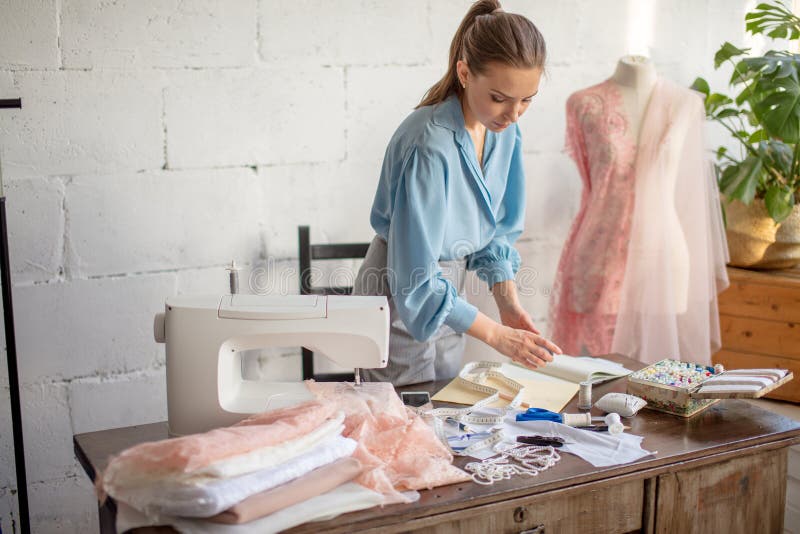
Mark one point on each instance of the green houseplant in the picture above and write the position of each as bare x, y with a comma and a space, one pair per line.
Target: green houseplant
761, 183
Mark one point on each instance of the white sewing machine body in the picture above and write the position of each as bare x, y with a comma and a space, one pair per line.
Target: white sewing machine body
205, 335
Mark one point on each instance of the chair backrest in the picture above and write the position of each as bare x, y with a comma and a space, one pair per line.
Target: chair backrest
306, 254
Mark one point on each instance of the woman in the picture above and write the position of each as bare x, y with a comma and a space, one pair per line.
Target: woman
451, 197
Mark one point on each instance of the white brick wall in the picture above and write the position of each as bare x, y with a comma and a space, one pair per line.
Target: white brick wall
154, 33
29, 39
161, 139
264, 116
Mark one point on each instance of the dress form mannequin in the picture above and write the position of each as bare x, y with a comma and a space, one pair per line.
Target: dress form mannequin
645, 258
635, 77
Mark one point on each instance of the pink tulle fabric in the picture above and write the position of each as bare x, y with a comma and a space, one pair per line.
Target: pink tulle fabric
586, 291
189, 453
398, 450
645, 258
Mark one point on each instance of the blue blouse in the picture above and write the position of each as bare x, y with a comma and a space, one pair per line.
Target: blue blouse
434, 202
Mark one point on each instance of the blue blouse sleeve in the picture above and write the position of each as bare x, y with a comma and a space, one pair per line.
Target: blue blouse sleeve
499, 260
423, 297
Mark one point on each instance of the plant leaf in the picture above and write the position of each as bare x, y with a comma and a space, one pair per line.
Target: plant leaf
726, 52
779, 201
740, 181
715, 101
779, 110
701, 85
776, 155
758, 135
773, 20
727, 112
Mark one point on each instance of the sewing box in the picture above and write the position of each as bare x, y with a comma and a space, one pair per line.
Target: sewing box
673, 387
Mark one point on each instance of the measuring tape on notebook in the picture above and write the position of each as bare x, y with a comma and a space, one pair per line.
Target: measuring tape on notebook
474, 376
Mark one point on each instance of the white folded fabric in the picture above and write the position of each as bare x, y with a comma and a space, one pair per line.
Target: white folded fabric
274, 455
346, 498
762, 381
731, 388
204, 499
776, 374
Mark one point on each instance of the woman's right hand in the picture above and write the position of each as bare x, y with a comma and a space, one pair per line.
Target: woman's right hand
523, 346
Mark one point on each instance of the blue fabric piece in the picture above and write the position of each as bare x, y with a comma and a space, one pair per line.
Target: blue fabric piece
434, 203
539, 414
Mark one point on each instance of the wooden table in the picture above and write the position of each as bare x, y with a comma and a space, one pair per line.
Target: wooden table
723, 470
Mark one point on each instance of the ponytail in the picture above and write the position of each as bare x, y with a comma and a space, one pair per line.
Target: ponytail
488, 34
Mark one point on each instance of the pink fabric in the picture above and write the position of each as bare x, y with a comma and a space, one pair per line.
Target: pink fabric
586, 291
397, 449
190, 453
645, 259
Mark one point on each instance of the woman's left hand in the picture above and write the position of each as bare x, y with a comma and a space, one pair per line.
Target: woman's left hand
516, 317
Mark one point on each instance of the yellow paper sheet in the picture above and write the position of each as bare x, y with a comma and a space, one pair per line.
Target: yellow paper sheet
551, 395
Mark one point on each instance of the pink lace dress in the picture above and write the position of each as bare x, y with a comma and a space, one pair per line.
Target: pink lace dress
586, 291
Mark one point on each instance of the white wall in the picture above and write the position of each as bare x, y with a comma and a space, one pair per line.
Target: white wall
160, 139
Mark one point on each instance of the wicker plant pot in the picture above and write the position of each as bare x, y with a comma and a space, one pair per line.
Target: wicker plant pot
756, 242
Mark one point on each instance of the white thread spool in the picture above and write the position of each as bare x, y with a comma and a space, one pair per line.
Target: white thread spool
585, 396
577, 419
614, 423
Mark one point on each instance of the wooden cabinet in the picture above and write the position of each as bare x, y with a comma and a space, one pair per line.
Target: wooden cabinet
760, 324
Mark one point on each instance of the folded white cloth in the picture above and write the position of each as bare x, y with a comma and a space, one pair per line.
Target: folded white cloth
346, 498
204, 499
274, 455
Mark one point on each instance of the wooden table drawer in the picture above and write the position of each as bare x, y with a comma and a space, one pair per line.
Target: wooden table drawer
731, 497
769, 295
614, 508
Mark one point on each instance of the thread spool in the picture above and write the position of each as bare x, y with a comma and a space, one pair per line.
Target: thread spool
577, 419
614, 423
585, 396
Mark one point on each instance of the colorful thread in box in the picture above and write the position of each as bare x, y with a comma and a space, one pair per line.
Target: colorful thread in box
668, 384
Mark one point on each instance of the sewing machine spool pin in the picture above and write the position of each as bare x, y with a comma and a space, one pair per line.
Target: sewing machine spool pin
233, 277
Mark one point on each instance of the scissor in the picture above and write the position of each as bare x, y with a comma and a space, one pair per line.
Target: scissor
539, 414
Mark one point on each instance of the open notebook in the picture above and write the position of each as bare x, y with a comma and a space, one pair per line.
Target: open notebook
550, 387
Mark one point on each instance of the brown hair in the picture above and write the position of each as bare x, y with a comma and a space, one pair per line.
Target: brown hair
489, 34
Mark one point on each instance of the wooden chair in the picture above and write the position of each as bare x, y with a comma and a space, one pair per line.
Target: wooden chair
308, 253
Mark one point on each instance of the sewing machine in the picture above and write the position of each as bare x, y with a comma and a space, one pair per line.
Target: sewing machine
205, 335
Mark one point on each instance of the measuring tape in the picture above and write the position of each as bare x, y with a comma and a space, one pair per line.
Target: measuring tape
474, 376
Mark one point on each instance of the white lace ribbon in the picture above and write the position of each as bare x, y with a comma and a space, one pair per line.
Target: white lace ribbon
474, 376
